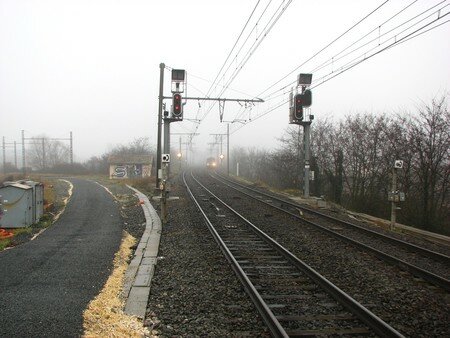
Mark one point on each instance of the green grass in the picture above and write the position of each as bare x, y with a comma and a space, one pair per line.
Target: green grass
4, 243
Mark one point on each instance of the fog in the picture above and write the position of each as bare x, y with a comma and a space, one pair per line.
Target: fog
92, 67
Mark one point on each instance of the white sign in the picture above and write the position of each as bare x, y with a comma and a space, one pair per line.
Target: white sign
165, 158
398, 164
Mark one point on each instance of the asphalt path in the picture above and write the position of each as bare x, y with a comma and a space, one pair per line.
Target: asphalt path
46, 284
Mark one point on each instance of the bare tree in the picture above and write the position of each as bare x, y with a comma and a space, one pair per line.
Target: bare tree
45, 153
139, 146
429, 138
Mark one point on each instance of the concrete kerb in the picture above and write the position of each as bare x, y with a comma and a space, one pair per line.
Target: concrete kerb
139, 274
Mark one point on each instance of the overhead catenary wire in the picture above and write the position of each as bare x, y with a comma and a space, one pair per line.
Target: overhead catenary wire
280, 10
214, 84
407, 37
262, 34
258, 41
234, 46
350, 65
333, 60
382, 35
324, 48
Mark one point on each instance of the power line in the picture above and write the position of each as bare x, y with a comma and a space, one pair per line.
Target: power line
373, 30
407, 37
219, 85
384, 34
334, 59
252, 48
231, 51
258, 41
395, 43
321, 50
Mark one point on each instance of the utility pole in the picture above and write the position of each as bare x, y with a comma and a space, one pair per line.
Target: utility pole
228, 141
167, 142
228, 149
297, 104
9, 145
190, 135
4, 155
15, 154
43, 153
395, 195
220, 143
24, 169
306, 141
71, 149
160, 108
393, 202
179, 155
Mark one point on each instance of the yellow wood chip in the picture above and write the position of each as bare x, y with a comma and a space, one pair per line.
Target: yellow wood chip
104, 316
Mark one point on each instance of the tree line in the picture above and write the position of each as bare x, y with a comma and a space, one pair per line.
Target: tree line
353, 160
53, 156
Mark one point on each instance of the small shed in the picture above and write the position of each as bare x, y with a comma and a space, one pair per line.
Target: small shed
38, 199
130, 166
17, 205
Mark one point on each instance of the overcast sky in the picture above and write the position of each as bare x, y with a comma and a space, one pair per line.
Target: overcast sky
92, 66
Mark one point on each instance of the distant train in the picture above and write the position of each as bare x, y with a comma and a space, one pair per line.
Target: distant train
211, 163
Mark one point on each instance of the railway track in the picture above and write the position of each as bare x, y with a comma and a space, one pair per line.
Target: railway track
428, 265
292, 298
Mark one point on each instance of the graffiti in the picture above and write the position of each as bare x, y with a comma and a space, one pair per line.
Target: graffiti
120, 171
129, 171
136, 170
146, 170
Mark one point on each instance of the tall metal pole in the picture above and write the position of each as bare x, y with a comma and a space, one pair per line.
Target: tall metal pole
228, 149
4, 155
306, 130
393, 203
221, 152
24, 169
43, 154
15, 154
71, 149
181, 155
167, 142
160, 107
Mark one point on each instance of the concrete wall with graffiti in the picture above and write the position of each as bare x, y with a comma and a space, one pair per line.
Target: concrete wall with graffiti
129, 170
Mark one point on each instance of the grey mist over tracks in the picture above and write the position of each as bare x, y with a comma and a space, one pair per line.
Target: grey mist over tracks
47, 283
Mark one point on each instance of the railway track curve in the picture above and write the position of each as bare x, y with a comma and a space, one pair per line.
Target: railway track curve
292, 298
426, 264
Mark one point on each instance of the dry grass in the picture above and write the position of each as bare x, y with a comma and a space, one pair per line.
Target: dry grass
104, 317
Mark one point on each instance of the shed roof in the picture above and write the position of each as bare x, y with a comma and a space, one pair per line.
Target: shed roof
130, 159
16, 185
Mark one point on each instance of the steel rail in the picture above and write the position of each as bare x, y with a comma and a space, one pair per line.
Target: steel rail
415, 270
366, 316
412, 247
269, 318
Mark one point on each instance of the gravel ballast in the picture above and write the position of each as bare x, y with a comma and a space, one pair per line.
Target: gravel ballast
412, 306
194, 291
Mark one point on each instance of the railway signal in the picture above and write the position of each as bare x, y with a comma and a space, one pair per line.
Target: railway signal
298, 115
177, 107
298, 108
